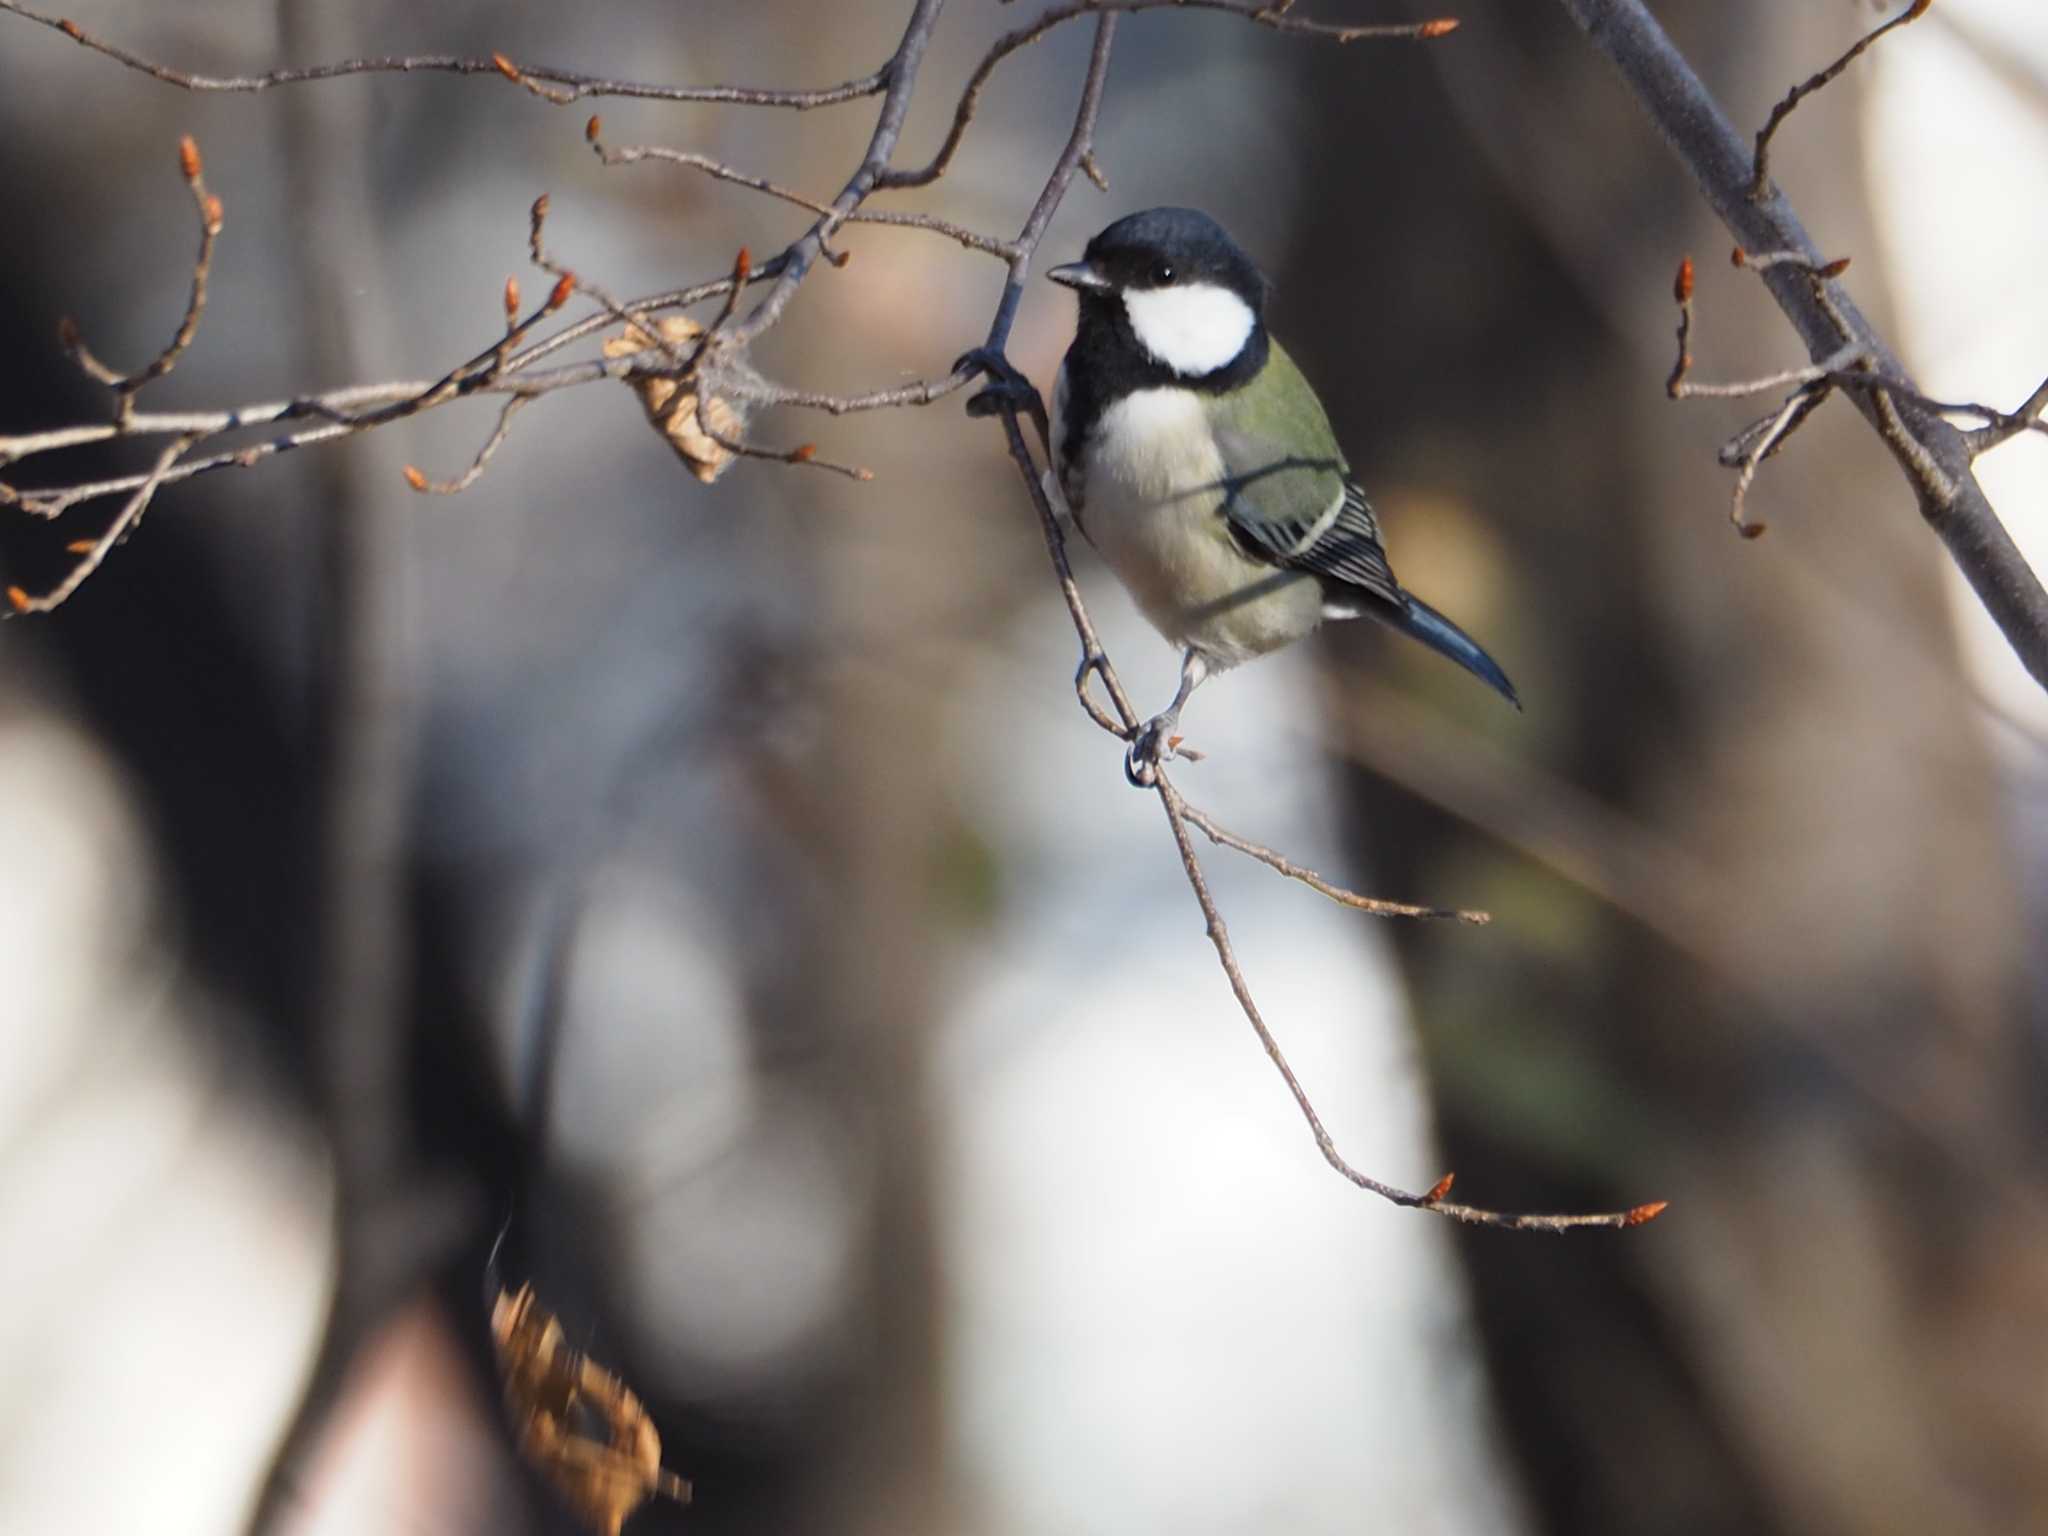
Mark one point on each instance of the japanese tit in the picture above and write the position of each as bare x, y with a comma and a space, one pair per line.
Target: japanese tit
1198, 461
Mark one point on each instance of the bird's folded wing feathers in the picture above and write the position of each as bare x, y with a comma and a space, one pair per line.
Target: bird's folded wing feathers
1303, 514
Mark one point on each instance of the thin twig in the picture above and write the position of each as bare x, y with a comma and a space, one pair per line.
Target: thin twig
901, 76
1849, 367
1781, 424
126, 385
802, 453
570, 85
462, 482
1224, 837
633, 154
1760, 174
2002, 427
921, 392
97, 551
1431, 1199
1271, 15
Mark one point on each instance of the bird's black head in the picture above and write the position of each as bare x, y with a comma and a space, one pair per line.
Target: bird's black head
1168, 297
1175, 247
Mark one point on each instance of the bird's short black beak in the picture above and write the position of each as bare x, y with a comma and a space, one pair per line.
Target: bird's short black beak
1079, 276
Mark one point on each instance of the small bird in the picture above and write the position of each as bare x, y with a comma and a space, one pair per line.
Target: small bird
1198, 460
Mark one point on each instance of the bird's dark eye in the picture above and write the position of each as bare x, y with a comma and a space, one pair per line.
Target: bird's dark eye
1162, 273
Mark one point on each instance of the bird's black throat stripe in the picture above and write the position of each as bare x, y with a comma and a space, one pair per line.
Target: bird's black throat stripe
1108, 362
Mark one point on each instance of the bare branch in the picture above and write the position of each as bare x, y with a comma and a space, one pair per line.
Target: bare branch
2000, 427
1432, 1199
1935, 455
922, 392
631, 154
96, 550
1274, 15
567, 84
1225, 838
802, 453
1776, 428
126, 385
1849, 367
462, 482
1760, 174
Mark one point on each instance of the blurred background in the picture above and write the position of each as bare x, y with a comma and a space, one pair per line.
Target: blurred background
716, 894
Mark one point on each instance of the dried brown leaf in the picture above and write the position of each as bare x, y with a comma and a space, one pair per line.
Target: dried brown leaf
550, 1389
692, 425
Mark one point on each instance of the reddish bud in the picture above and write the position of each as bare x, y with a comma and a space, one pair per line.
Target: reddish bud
565, 285
803, 453
1643, 1213
540, 208
839, 258
1835, 268
1738, 257
1437, 28
593, 128
511, 298
80, 547
1439, 1189
742, 265
188, 157
213, 213
1681, 289
1750, 531
1919, 9
505, 66
414, 478
71, 30
19, 599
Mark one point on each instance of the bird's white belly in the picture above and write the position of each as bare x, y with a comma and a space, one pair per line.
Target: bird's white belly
1153, 505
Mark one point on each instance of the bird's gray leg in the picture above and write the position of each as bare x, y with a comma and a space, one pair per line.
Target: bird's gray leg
1152, 743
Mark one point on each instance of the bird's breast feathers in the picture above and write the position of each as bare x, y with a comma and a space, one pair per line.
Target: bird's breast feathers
1149, 483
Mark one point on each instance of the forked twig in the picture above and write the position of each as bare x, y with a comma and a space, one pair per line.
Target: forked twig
1760, 175
1852, 366
95, 551
1223, 837
1934, 455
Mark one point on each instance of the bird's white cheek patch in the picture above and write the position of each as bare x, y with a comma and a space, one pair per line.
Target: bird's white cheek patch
1193, 329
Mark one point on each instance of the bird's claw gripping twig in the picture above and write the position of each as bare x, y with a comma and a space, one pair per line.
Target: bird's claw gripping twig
1154, 743
1007, 390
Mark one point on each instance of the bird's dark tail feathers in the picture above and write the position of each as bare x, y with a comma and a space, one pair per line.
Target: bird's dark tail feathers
1417, 618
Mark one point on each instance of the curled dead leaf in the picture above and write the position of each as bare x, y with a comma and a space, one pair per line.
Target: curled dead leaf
673, 406
554, 1393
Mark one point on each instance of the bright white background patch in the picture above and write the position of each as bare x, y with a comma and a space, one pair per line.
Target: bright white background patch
1194, 329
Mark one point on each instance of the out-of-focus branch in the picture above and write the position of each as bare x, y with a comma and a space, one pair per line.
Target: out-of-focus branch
1935, 455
